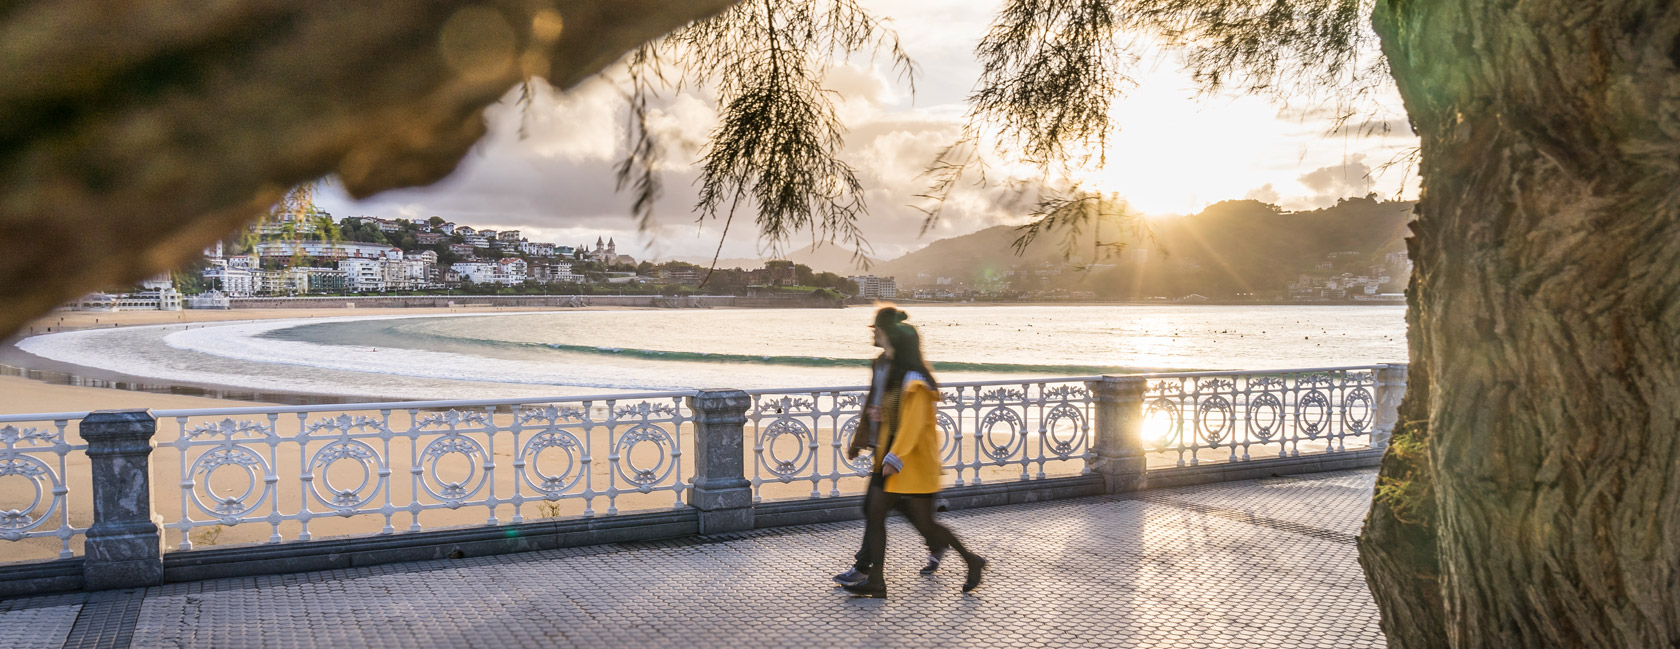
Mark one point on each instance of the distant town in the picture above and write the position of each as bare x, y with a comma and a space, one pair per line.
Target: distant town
313, 254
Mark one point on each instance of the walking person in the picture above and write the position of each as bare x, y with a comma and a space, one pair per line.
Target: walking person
866, 437
907, 457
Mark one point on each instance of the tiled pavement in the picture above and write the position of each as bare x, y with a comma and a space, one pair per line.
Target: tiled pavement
1266, 563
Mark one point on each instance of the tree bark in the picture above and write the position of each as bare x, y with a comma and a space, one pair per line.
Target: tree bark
1546, 316
134, 134
1397, 545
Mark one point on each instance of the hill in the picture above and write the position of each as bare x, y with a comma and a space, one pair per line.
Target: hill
1230, 248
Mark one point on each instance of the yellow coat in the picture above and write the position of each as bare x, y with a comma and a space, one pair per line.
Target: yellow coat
915, 442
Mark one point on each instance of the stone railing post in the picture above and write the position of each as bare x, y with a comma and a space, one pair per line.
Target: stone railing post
1391, 387
125, 543
1118, 432
721, 491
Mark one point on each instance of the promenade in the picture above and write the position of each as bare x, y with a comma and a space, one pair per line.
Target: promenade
1266, 563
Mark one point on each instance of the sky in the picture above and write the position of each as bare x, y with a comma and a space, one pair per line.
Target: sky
1175, 152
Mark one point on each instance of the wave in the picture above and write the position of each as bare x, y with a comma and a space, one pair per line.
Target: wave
821, 361
748, 359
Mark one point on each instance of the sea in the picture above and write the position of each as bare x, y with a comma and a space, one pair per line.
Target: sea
570, 353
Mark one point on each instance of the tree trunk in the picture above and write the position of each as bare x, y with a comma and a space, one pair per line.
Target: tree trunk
1546, 317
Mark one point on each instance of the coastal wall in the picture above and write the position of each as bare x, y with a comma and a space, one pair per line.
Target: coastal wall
531, 301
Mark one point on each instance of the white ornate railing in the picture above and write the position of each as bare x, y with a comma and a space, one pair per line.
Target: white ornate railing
273, 474
290, 468
35, 485
801, 435
1202, 414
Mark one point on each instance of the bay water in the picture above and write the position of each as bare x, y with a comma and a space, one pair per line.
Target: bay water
558, 353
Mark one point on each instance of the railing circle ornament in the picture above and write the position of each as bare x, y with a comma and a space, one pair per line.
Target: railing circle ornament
989, 444
341, 498
1064, 441
14, 522
1215, 417
452, 492
1265, 416
1357, 409
786, 467
865, 461
1312, 414
1163, 417
645, 477
225, 506
947, 437
555, 483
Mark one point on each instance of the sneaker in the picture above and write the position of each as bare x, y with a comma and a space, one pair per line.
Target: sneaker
851, 577
875, 590
933, 562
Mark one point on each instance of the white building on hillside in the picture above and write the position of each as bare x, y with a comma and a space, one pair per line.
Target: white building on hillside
536, 249
478, 272
513, 269
363, 275
420, 274
872, 287
232, 282
507, 272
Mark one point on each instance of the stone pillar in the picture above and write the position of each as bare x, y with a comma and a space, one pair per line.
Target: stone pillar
721, 491
1391, 387
1118, 432
125, 543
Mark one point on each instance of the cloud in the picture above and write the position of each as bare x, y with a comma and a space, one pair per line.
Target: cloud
1265, 194
1346, 179
1323, 186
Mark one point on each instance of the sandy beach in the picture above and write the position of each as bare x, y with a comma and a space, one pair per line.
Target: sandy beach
20, 395
74, 320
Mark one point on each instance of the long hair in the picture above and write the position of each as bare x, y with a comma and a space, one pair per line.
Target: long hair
906, 345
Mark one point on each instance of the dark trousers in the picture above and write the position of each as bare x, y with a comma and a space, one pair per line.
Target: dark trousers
916, 508
877, 490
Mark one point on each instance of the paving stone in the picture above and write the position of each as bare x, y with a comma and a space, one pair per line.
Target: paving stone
1267, 563
39, 627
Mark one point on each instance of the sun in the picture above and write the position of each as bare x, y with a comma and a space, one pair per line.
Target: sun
1175, 154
